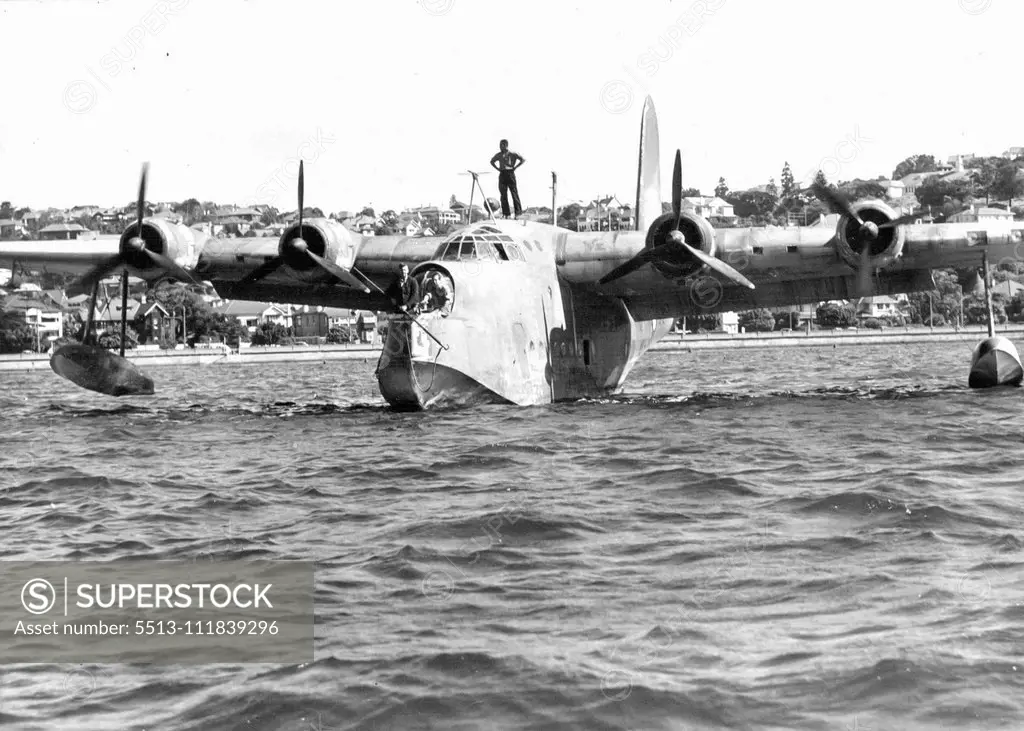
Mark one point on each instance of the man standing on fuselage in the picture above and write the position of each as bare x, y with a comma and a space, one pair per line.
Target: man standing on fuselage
506, 163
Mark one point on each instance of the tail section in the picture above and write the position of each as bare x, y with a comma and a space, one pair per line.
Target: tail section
648, 179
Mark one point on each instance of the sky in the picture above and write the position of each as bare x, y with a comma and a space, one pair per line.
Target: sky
387, 101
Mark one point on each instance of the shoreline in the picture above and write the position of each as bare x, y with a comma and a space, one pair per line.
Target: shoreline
821, 338
211, 356
673, 342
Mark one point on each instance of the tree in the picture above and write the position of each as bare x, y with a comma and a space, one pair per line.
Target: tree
270, 333
761, 320
368, 211
15, 334
821, 180
270, 216
862, 189
951, 194
721, 190
943, 300
789, 320
568, 214
1005, 184
915, 164
6, 211
772, 189
788, 183
111, 339
340, 334
751, 203
191, 211
833, 315
1015, 308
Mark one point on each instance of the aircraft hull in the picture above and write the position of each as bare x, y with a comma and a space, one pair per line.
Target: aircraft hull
553, 344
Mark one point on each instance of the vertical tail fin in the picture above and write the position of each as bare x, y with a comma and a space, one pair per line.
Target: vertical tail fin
648, 177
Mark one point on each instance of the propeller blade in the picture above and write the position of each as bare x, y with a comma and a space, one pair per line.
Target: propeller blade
909, 218
302, 195
629, 267
261, 271
88, 280
864, 284
338, 272
124, 310
142, 197
836, 201
719, 266
677, 188
170, 267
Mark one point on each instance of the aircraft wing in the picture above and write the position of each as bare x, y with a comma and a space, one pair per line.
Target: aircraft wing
63, 257
786, 265
372, 260
348, 270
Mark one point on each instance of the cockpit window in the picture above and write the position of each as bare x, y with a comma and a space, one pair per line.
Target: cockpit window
452, 252
481, 242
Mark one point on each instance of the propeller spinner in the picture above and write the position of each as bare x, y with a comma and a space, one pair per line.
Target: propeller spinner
675, 247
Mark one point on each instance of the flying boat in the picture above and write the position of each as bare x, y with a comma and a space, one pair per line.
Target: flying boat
529, 313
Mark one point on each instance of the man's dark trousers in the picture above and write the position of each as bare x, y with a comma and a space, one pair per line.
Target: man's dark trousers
506, 185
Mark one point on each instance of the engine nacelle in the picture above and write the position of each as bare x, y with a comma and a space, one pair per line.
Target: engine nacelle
885, 247
172, 240
325, 238
698, 233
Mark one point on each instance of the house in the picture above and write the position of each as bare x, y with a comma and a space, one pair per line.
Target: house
435, 215
1008, 288
40, 313
894, 189
30, 219
415, 228
981, 214
254, 314
108, 218
605, 214
730, 322
365, 225
64, 232
150, 320
230, 225
11, 229
310, 322
877, 306
708, 206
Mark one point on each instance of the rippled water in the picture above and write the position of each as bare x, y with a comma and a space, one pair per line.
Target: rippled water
800, 538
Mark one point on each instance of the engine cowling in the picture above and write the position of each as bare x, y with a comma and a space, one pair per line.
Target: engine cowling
885, 245
698, 233
172, 240
325, 238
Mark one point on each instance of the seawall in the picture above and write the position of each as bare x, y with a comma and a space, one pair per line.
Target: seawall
862, 336
208, 356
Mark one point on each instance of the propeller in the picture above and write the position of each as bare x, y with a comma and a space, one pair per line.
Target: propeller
867, 233
676, 246
298, 247
135, 245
